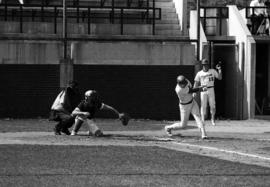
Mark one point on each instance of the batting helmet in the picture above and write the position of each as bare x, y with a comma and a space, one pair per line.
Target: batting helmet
205, 62
181, 80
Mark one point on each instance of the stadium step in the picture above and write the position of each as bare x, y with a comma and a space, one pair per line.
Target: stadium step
167, 26
163, 0
168, 10
168, 32
169, 23
169, 16
175, 21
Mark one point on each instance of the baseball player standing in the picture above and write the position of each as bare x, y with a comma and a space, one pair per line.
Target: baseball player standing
206, 77
187, 105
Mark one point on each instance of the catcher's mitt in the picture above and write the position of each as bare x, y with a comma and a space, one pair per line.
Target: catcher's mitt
124, 118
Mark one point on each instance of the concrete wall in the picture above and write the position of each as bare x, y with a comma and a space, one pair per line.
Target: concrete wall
76, 28
237, 27
124, 53
27, 90
269, 71
133, 53
30, 52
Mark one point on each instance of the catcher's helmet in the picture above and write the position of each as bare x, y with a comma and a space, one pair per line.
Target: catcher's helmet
205, 62
92, 96
90, 93
181, 80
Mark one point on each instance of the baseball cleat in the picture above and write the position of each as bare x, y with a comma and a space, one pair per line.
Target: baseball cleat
168, 131
205, 137
98, 133
73, 133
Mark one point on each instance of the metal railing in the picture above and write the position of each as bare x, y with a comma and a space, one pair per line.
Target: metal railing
136, 3
81, 13
218, 14
250, 15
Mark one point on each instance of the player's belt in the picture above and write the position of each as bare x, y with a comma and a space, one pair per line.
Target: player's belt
208, 87
187, 102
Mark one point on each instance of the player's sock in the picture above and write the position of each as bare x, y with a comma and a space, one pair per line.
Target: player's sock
204, 136
73, 133
213, 122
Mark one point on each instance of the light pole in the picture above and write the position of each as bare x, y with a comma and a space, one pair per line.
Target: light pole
64, 29
198, 29
66, 66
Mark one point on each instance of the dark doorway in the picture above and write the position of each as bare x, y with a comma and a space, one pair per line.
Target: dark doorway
228, 91
262, 74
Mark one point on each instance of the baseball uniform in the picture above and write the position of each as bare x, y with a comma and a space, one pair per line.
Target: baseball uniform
92, 108
207, 79
187, 105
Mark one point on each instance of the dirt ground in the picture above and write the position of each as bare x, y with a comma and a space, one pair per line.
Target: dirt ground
237, 141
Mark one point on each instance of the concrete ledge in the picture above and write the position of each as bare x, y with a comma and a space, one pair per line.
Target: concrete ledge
83, 37
76, 28
221, 38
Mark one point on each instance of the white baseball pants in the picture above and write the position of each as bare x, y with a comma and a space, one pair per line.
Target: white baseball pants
185, 111
208, 96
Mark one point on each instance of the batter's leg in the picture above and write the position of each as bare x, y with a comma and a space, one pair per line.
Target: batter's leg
195, 111
184, 115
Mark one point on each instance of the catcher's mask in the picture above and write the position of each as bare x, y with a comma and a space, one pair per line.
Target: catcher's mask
181, 80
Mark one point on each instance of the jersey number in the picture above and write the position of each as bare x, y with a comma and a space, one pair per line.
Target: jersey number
211, 78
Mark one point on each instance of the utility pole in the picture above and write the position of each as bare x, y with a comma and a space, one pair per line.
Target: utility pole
66, 64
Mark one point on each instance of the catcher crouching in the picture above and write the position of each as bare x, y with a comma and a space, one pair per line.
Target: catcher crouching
85, 112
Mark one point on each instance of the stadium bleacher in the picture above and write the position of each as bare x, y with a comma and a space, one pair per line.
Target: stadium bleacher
145, 13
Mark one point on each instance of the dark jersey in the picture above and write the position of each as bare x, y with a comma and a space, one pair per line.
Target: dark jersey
92, 108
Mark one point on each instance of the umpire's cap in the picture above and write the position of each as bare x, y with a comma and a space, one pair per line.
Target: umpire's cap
181, 80
73, 83
205, 62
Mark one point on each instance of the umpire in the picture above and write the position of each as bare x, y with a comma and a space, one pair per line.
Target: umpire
64, 104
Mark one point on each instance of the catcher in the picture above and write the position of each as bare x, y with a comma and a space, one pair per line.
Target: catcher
86, 110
